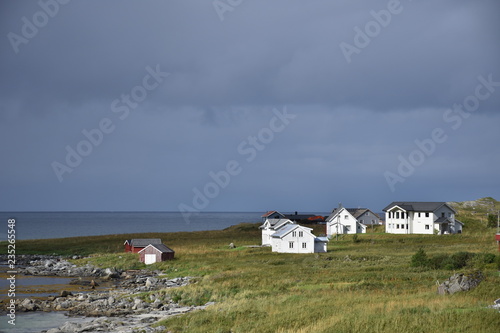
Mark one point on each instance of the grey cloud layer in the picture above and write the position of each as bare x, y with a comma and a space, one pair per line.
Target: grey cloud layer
354, 119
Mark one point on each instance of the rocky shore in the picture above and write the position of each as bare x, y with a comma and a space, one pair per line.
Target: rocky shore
137, 300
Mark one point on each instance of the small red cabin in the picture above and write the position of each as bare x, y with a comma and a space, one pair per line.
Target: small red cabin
156, 253
135, 245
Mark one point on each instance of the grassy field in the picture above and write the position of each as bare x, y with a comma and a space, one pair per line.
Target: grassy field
362, 286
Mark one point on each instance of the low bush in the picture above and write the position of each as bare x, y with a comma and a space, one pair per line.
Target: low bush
454, 261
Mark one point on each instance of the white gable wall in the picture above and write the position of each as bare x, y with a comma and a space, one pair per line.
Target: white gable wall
296, 241
320, 247
347, 224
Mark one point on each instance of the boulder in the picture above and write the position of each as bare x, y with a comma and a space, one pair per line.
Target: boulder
461, 282
112, 273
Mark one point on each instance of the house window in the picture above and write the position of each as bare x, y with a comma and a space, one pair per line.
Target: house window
294, 233
397, 215
419, 214
442, 214
397, 226
304, 245
407, 227
346, 217
449, 214
301, 234
360, 221
290, 245
427, 214
426, 227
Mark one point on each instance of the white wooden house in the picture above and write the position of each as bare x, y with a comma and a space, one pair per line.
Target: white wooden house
270, 226
294, 238
421, 218
344, 221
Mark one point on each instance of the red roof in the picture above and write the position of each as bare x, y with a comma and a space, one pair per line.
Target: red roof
269, 213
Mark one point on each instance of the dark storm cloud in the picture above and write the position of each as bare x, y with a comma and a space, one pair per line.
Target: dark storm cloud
355, 114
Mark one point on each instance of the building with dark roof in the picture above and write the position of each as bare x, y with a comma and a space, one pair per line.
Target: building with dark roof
156, 253
411, 217
137, 244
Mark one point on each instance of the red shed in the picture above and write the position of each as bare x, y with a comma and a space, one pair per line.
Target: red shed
498, 241
156, 253
135, 245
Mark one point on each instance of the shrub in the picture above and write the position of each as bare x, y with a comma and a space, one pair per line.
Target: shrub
355, 238
458, 260
419, 259
439, 261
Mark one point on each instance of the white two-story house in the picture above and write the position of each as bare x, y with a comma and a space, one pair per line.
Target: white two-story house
294, 238
421, 218
345, 221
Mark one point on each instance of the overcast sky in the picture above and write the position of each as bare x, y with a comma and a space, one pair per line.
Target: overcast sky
247, 105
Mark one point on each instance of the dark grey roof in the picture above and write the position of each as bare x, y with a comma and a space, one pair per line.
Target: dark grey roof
443, 220
271, 212
160, 247
297, 217
143, 242
276, 223
415, 206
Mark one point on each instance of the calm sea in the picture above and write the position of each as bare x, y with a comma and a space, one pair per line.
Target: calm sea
38, 225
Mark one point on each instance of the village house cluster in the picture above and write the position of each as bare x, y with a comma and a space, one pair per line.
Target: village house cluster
284, 235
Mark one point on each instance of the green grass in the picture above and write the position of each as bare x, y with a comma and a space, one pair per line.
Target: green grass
365, 286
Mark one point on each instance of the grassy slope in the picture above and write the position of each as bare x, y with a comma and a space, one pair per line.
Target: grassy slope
356, 287
475, 213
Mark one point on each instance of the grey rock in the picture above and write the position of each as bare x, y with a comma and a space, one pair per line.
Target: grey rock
460, 282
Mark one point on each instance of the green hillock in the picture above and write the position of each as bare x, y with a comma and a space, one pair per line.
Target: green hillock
477, 214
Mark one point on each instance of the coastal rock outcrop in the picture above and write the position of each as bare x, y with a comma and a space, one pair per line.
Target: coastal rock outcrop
137, 299
461, 282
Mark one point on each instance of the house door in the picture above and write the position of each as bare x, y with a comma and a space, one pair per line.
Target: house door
149, 259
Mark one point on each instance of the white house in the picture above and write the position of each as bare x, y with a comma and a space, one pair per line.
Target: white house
421, 218
344, 221
270, 226
365, 216
294, 238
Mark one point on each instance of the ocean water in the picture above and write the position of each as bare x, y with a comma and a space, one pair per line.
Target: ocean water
43, 225
32, 322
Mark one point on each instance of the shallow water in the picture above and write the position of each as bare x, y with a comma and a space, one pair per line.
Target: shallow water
37, 321
42, 286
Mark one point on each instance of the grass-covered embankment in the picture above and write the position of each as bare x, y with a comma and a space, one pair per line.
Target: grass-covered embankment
363, 286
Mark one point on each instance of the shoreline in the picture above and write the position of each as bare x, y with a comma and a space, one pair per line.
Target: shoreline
138, 299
